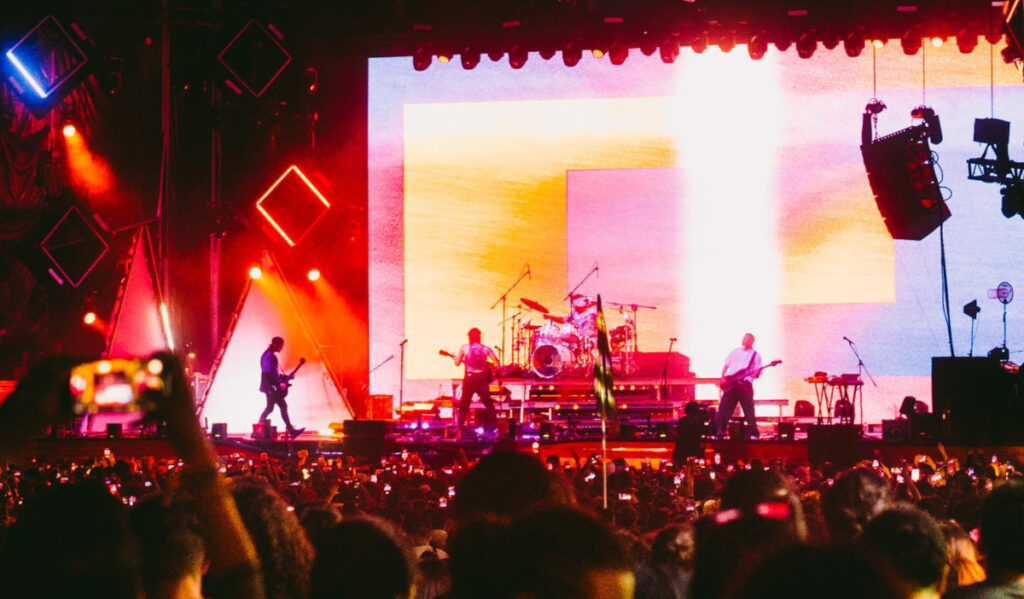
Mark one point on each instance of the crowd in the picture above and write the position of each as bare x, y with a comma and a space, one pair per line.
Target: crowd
506, 526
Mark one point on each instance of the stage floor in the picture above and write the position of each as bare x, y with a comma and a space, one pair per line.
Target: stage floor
436, 451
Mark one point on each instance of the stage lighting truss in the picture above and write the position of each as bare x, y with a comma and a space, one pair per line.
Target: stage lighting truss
46, 63
292, 205
255, 57
74, 246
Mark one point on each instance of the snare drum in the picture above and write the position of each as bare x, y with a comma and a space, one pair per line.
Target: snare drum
547, 334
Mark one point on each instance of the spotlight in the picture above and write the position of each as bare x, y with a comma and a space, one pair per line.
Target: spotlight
255, 272
878, 43
806, 45
830, 40
757, 46
313, 274
618, 54
444, 58
669, 50
853, 44
727, 42
937, 42
700, 43
312, 80
421, 58
783, 43
911, 42
571, 56
597, 52
966, 42
89, 317
470, 57
495, 54
517, 57
1013, 201
69, 130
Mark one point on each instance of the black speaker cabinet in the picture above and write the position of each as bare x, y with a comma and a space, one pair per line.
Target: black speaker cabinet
976, 400
366, 438
836, 443
895, 430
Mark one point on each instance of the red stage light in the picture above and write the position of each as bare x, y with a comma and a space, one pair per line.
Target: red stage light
89, 318
296, 207
69, 130
313, 274
255, 272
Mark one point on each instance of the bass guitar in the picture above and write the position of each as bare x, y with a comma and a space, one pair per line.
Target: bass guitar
285, 382
731, 380
491, 375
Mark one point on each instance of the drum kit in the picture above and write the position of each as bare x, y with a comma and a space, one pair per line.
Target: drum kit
567, 345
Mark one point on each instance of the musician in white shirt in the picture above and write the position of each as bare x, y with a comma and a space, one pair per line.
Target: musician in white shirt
741, 367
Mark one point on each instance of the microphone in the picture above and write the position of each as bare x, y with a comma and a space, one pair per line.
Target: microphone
404, 341
847, 339
672, 339
528, 271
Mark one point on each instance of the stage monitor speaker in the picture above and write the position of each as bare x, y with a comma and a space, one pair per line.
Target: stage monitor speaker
627, 431
902, 178
547, 431
785, 431
113, 430
976, 400
836, 443
365, 438
219, 430
895, 430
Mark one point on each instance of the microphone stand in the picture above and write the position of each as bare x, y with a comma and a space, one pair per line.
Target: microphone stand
862, 369
502, 300
570, 294
664, 372
401, 373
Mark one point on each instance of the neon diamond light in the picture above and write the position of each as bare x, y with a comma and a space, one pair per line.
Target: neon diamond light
47, 57
257, 52
74, 246
292, 205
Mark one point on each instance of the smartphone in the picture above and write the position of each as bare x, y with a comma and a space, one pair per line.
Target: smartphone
113, 385
625, 497
915, 474
442, 503
451, 491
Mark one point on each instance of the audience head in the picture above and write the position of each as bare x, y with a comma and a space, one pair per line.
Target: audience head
285, 553
1002, 529
807, 572
674, 545
71, 541
759, 513
857, 496
562, 553
506, 483
362, 558
911, 542
317, 520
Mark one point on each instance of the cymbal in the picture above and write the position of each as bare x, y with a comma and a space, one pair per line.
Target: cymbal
559, 319
531, 327
534, 305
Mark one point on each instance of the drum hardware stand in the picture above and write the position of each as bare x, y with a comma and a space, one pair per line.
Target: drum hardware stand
401, 372
630, 363
663, 388
596, 269
504, 298
861, 371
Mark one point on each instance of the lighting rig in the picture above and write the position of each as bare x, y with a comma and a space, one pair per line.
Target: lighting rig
995, 134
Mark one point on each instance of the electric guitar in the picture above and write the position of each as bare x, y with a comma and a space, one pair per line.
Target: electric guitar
285, 382
490, 367
731, 380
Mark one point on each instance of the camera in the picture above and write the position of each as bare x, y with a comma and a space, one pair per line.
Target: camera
114, 385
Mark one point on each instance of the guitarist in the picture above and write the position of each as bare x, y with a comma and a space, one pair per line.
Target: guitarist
745, 362
273, 385
478, 359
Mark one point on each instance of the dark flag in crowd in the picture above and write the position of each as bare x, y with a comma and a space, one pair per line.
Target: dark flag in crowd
603, 368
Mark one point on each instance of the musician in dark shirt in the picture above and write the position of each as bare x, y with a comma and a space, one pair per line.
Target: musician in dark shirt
478, 359
272, 384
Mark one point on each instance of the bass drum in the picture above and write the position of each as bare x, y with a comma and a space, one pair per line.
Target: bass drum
551, 359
